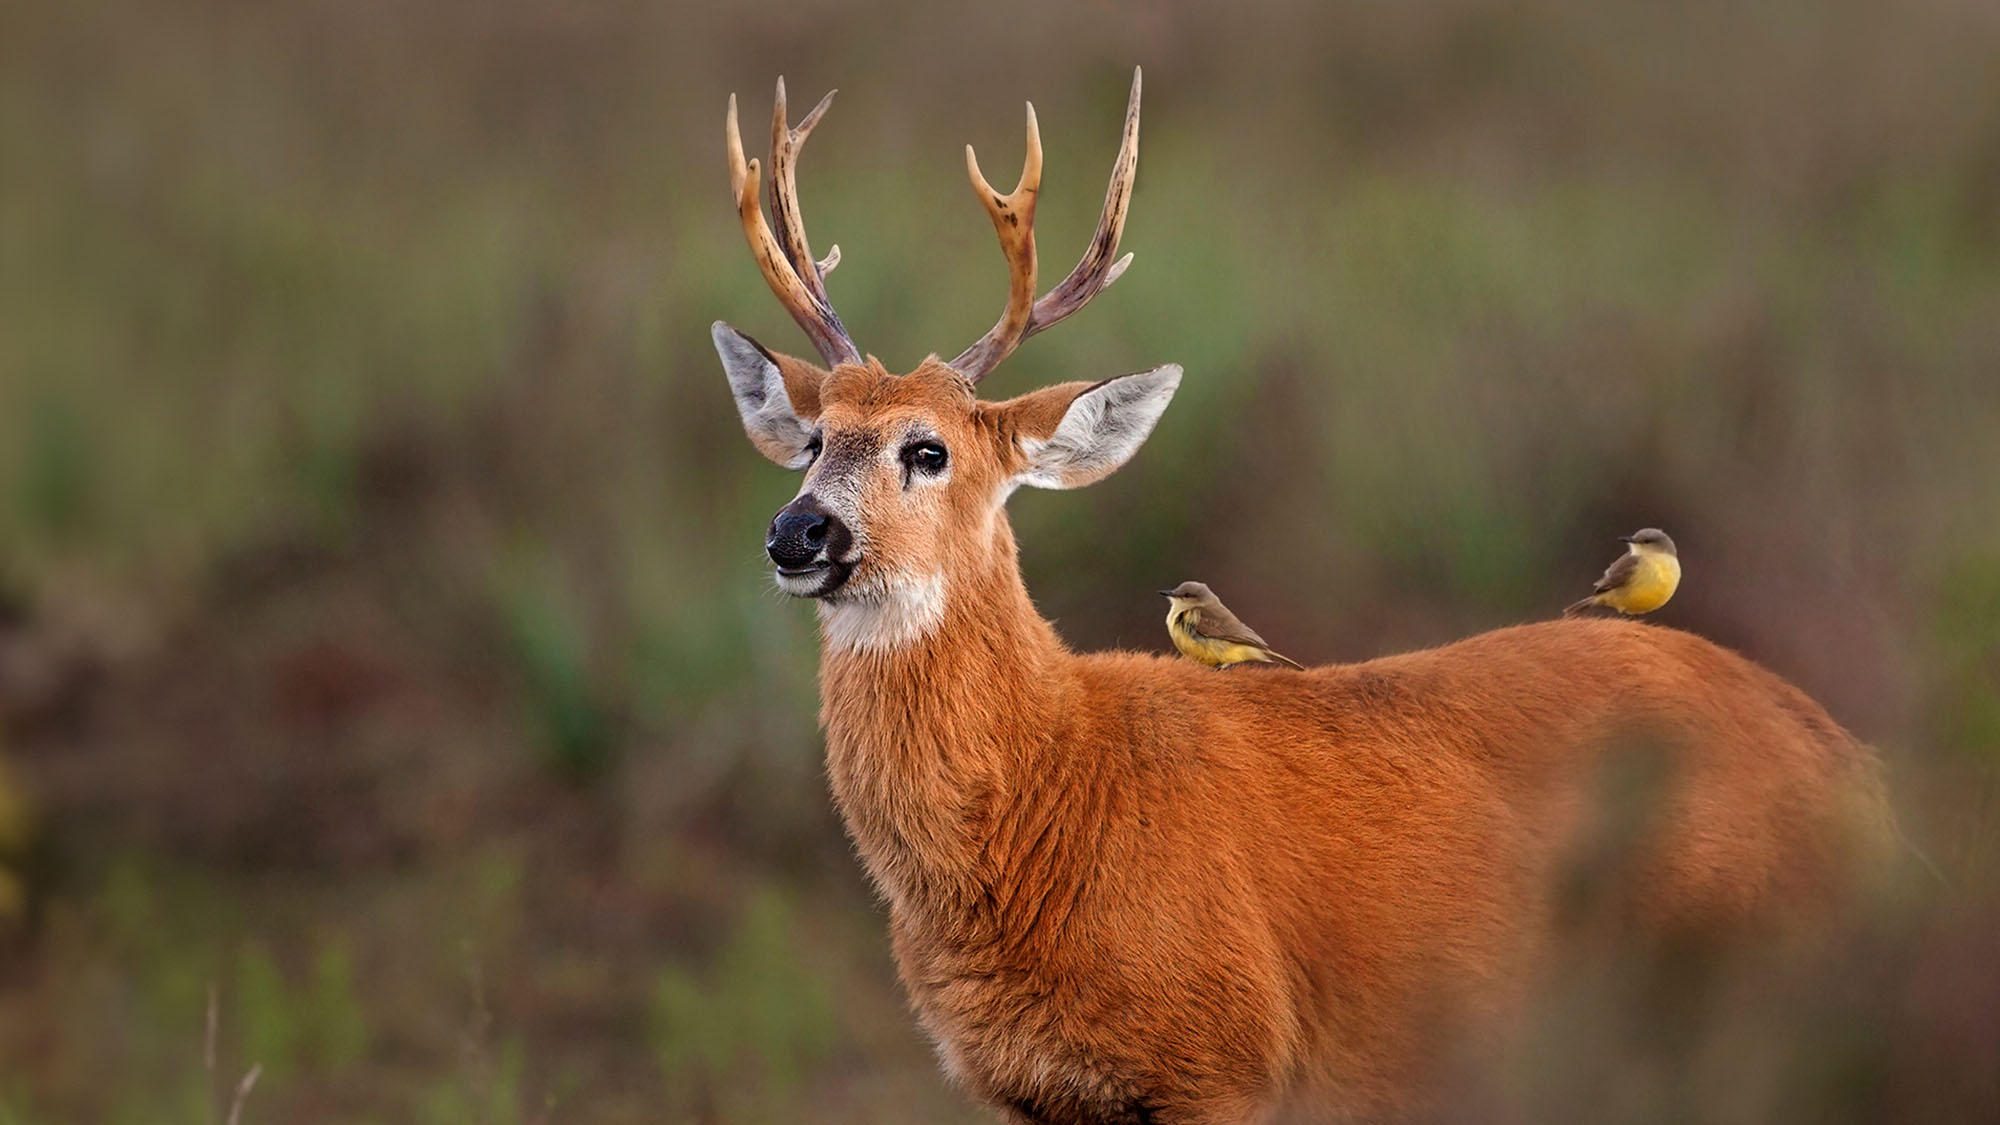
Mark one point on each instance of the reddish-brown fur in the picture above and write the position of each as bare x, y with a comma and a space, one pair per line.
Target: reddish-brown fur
1125, 888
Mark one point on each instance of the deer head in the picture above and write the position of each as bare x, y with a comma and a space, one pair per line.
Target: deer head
906, 475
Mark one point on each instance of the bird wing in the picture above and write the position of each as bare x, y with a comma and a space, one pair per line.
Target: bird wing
1617, 574
1219, 624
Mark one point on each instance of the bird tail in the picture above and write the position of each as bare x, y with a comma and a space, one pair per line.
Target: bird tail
1579, 607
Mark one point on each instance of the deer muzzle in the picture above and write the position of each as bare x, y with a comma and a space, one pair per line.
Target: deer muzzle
807, 543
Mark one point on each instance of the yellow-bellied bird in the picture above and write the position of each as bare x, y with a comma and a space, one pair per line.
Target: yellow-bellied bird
1641, 580
1205, 631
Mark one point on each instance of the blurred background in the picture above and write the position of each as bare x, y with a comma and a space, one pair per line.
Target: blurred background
386, 647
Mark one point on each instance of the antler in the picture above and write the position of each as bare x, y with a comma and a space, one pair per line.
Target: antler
1014, 221
787, 263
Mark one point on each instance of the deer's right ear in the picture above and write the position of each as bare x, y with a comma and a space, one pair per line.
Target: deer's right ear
776, 395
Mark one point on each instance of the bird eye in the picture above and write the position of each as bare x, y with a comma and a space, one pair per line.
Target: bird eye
926, 457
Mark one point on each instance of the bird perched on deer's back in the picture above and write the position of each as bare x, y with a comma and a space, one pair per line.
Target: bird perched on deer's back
1638, 581
1205, 631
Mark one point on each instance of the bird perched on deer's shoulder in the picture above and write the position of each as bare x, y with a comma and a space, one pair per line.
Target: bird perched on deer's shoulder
1640, 580
1206, 632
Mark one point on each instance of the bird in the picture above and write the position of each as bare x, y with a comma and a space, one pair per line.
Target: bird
1206, 632
1638, 581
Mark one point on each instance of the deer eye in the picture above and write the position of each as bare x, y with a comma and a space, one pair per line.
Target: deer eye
814, 445
926, 457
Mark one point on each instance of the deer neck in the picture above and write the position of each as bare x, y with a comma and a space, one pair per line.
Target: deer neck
931, 715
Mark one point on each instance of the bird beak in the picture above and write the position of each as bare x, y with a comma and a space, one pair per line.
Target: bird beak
1166, 593
1628, 538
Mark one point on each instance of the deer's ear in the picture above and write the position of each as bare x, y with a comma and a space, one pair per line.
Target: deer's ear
776, 395
1075, 434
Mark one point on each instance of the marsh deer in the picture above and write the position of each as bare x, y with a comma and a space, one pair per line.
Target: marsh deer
1123, 888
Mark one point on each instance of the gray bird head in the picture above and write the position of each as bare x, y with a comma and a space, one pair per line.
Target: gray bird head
1190, 592
1650, 539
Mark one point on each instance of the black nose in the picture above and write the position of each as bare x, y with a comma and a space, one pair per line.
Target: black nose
803, 533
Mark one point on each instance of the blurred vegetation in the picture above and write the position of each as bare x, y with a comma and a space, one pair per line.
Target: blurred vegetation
384, 635
747, 1033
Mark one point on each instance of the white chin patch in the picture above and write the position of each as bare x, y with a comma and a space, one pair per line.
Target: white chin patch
801, 585
892, 616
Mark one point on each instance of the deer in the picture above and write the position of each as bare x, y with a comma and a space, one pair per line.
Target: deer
1122, 888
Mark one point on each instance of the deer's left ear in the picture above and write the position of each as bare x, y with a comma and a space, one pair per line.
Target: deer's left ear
776, 396
1075, 434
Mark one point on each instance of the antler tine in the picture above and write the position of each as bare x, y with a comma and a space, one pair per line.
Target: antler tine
785, 214
1013, 218
806, 302
1095, 272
